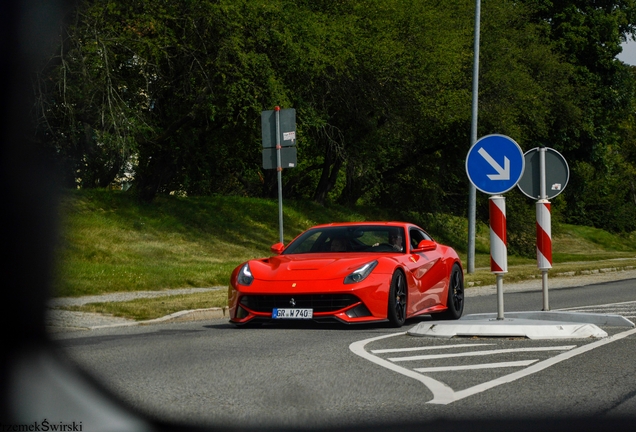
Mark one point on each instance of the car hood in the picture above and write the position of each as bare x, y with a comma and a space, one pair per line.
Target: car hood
308, 266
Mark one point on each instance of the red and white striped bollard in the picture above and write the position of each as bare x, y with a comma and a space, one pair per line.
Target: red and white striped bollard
498, 246
544, 235
498, 243
544, 246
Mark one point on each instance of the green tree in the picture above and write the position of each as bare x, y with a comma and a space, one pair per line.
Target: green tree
171, 93
591, 130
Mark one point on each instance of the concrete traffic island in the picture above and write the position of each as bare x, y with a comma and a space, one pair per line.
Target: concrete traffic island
531, 325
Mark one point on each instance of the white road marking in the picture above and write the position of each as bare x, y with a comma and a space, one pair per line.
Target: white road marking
633, 302
625, 309
616, 309
442, 400
439, 389
395, 350
443, 394
477, 366
481, 353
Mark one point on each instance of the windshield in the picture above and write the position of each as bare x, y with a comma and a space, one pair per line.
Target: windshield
358, 238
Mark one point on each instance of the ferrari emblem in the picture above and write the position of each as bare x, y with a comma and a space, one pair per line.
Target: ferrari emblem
292, 302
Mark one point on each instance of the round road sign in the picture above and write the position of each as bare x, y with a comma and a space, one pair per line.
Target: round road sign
557, 174
495, 164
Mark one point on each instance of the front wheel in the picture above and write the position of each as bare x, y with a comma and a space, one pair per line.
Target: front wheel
455, 300
397, 300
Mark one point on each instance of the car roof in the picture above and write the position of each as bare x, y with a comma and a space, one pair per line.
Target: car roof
377, 223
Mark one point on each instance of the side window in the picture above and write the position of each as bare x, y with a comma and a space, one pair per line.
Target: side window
417, 236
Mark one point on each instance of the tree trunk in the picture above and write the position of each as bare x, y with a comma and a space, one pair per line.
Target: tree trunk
353, 189
327, 180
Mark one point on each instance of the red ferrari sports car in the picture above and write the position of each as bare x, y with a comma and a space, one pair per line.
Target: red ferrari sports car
353, 273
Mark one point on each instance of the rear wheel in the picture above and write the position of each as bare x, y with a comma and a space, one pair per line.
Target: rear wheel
455, 300
397, 300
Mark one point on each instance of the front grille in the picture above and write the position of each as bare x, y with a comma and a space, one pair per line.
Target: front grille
317, 302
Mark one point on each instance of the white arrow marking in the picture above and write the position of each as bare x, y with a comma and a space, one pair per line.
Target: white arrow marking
502, 173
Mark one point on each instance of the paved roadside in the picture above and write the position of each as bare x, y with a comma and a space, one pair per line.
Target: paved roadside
59, 320
62, 321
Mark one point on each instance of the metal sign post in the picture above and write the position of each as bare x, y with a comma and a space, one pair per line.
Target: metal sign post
279, 175
546, 176
279, 141
494, 165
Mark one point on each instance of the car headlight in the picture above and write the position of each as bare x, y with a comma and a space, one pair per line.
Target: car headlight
361, 274
245, 275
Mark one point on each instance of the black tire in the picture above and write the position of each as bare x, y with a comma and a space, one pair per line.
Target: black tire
397, 300
455, 300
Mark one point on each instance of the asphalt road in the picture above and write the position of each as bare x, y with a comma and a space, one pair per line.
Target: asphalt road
302, 374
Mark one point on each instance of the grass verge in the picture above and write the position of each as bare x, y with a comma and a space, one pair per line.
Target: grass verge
111, 243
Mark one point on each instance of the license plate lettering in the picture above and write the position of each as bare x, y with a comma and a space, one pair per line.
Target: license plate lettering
289, 313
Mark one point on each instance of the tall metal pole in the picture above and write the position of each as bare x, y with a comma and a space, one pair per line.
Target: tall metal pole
472, 195
279, 169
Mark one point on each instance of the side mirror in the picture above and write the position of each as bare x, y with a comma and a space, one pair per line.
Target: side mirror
277, 248
425, 246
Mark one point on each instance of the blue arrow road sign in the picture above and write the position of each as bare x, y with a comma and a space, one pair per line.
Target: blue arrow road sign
495, 164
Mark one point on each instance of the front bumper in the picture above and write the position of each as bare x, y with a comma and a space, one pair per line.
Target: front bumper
330, 300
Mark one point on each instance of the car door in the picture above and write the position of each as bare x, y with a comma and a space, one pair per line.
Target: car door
428, 273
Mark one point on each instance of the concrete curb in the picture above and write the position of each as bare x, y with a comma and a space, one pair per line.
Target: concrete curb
181, 316
532, 325
190, 315
509, 327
